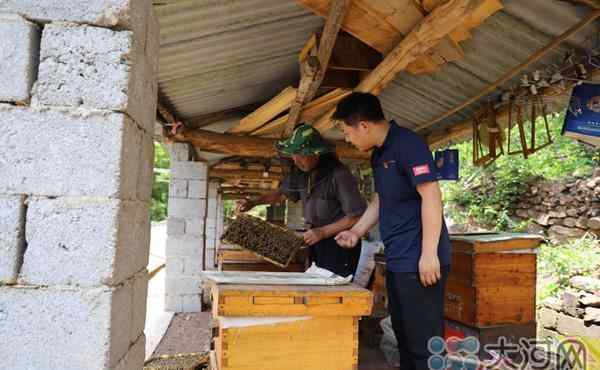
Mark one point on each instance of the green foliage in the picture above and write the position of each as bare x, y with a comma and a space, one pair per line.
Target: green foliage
557, 263
161, 157
228, 209
160, 188
485, 195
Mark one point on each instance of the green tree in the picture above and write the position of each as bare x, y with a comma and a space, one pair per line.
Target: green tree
160, 187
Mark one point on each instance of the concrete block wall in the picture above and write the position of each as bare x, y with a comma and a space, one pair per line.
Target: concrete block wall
186, 224
212, 236
78, 103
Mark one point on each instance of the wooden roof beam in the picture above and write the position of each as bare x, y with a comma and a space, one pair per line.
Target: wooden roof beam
266, 112
248, 146
312, 110
594, 4
244, 175
314, 68
535, 57
437, 25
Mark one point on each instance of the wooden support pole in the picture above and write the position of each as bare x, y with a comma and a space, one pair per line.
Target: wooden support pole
248, 146
516, 70
310, 82
437, 25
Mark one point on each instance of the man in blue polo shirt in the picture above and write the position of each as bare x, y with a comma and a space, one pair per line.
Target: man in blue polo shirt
408, 206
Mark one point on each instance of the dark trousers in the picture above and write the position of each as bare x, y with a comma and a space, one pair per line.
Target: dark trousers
417, 315
329, 255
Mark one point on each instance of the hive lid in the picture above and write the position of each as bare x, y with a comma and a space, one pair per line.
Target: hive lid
494, 242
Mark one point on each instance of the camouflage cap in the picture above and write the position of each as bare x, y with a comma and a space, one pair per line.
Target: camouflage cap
305, 140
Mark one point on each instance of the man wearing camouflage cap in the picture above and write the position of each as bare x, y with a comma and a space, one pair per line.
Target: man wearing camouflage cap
331, 200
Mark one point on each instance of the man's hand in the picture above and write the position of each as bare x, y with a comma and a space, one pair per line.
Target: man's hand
313, 236
244, 205
429, 269
347, 239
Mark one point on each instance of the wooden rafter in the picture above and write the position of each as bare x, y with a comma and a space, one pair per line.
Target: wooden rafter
516, 70
594, 4
443, 20
383, 23
314, 68
245, 175
311, 111
266, 112
248, 146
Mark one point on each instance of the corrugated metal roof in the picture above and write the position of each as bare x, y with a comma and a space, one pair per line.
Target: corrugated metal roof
503, 42
217, 55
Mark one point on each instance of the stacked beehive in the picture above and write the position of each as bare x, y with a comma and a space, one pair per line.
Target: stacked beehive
491, 289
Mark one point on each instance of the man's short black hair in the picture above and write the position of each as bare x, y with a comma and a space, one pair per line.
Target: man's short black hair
358, 107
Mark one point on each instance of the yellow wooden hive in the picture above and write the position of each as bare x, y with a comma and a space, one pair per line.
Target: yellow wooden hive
288, 327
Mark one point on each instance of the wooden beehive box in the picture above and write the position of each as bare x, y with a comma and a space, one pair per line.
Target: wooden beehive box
272, 243
493, 279
319, 331
513, 334
242, 260
311, 343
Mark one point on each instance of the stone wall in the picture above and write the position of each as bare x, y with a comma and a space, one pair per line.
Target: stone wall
575, 314
562, 210
77, 105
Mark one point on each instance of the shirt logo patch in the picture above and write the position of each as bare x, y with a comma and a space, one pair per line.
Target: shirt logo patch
386, 164
421, 170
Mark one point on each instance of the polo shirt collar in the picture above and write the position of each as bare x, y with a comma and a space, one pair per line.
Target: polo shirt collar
390, 134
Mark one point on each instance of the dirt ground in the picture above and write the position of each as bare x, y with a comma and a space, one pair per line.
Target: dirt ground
191, 333
188, 332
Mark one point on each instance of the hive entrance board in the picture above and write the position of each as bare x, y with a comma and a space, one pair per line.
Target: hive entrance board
271, 242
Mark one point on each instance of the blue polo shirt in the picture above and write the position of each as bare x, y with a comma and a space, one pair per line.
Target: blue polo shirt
399, 165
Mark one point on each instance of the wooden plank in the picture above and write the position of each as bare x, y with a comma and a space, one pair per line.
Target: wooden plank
311, 111
385, 23
244, 174
362, 24
313, 75
422, 38
535, 57
268, 111
248, 146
